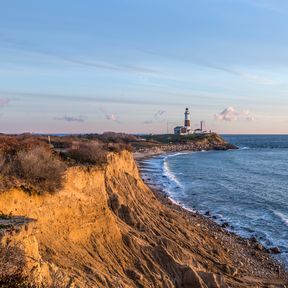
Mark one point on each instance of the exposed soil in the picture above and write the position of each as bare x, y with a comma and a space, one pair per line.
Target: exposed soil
107, 228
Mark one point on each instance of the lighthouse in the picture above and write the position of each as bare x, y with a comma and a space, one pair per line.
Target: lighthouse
187, 123
186, 129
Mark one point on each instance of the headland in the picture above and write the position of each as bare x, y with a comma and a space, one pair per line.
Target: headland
104, 227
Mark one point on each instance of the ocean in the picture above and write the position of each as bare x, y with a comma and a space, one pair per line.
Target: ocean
248, 187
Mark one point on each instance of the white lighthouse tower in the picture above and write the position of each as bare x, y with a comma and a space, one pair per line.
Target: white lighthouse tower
186, 129
187, 122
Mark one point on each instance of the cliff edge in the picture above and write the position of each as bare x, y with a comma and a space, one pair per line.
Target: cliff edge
106, 228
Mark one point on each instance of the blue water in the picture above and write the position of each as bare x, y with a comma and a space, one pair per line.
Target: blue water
248, 188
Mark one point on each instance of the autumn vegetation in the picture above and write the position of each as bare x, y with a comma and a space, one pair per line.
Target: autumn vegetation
32, 164
37, 164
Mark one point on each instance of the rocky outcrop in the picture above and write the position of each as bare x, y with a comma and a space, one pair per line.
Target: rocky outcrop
106, 228
206, 142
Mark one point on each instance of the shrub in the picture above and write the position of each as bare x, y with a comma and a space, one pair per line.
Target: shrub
88, 153
2, 160
5, 170
40, 169
28, 161
12, 274
118, 147
30, 164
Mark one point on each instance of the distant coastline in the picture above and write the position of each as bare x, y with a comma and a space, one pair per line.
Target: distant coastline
164, 144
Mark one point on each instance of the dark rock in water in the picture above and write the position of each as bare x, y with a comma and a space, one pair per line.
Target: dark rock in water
214, 217
275, 250
225, 225
208, 213
148, 179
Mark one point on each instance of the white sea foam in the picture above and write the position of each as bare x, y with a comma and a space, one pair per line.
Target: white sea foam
282, 216
177, 154
167, 172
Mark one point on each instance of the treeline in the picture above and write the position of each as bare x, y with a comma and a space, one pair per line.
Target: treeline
37, 165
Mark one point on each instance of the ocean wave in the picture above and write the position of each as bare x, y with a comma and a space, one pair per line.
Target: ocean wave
172, 178
282, 216
167, 172
176, 154
262, 146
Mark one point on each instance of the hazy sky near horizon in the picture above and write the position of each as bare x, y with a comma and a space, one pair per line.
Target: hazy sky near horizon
132, 66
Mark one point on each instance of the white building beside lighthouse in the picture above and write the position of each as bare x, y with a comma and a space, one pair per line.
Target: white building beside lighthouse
186, 129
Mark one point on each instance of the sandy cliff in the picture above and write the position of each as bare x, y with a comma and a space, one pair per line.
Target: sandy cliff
106, 228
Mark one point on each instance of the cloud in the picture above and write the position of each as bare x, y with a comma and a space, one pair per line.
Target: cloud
255, 78
156, 99
246, 76
4, 102
70, 118
231, 114
271, 5
89, 99
106, 66
258, 79
109, 116
157, 117
112, 117
148, 122
32, 48
159, 114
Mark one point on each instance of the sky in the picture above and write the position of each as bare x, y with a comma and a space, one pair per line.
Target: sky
134, 66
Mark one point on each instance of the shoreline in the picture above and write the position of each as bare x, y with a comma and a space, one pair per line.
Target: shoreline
256, 248
139, 156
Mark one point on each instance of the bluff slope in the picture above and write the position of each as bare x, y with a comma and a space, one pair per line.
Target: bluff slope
106, 228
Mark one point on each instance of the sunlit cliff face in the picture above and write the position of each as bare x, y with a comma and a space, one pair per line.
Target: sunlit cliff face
107, 228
